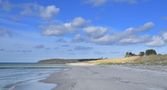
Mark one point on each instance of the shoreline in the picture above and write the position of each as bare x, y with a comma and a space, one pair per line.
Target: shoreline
34, 84
62, 82
107, 77
60, 79
27, 77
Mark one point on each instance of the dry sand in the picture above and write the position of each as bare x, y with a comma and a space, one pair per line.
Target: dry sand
110, 77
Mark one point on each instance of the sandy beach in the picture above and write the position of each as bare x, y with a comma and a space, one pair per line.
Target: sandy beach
110, 77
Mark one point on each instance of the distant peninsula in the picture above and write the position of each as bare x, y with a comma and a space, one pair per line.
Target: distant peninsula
65, 61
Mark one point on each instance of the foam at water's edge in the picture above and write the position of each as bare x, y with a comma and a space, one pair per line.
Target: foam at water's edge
31, 85
23, 78
11, 88
34, 85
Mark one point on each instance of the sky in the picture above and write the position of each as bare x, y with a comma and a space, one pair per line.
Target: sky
33, 30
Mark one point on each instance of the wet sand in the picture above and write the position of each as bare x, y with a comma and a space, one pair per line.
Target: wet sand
110, 77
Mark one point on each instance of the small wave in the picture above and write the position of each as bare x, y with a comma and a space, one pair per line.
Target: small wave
14, 78
31, 84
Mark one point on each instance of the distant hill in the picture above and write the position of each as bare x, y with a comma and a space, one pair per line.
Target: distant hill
64, 61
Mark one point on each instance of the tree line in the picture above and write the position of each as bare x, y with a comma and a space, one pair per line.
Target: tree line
146, 53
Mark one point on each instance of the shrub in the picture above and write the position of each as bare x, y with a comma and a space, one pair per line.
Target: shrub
151, 52
129, 54
141, 54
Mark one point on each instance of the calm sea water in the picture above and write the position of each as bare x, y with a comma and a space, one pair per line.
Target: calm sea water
26, 76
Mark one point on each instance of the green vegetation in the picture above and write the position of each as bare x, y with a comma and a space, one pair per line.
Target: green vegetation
146, 53
152, 60
129, 54
141, 53
150, 52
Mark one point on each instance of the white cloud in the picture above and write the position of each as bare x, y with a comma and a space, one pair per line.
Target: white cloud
45, 12
97, 2
126, 36
49, 11
99, 35
134, 39
78, 22
156, 41
106, 39
165, 36
30, 9
95, 31
56, 30
64, 28
145, 27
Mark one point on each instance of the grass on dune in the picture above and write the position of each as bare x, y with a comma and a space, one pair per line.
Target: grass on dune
148, 60
115, 61
152, 59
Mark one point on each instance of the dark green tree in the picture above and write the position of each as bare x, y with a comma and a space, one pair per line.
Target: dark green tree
129, 54
150, 52
141, 54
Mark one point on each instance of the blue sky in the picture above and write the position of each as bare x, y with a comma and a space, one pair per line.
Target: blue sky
31, 30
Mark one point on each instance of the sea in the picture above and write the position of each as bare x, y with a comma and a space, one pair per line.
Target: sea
27, 76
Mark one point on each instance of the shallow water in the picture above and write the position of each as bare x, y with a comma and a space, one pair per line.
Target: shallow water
26, 76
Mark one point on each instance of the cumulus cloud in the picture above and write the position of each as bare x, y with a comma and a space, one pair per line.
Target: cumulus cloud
144, 27
45, 12
98, 34
49, 11
55, 30
31, 9
134, 39
126, 36
64, 28
78, 22
159, 40
95, 31
165, 36
106, 39
97, 2
156, 41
